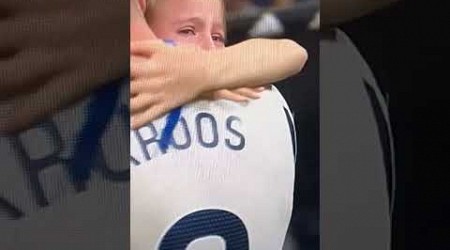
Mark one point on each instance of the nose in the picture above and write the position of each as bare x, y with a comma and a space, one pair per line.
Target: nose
207, 43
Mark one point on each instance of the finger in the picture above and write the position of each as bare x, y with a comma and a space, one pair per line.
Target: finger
138, 59
139, 29
146, 48
140, 67
206, 96
155, 43
37, 25
247, 92
147, 86
141, 102
28, 70
61, 91
137, 68
229, 95
149, 115
13, 32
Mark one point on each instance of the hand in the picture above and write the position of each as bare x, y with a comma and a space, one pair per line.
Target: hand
236, 95
163, 78
53, 53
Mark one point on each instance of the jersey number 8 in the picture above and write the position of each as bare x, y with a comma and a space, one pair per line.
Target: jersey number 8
204, 223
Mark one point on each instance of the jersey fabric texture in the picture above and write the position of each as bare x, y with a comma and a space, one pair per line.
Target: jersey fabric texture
225, 181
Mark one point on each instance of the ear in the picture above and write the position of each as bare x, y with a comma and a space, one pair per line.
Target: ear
143, 5
139, 29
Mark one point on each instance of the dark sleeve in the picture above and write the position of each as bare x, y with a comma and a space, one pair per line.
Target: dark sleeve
405, 47
382, 41
380, 38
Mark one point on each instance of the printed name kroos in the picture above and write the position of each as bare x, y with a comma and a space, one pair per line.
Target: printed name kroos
202, 131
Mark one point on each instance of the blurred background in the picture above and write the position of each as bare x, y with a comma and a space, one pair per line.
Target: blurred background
297, 20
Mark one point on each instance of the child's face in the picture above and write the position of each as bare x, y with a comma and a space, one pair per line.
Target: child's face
197, 22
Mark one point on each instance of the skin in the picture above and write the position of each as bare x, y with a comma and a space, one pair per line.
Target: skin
205, 30
140, 32
164, 25
19, 109
160, 84
48, 65
197, 22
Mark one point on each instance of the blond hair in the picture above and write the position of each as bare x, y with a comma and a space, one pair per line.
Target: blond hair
151, 4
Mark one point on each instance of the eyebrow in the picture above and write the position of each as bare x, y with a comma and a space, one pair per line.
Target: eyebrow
190, 19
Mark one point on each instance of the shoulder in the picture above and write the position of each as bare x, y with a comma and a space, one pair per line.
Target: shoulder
279, 97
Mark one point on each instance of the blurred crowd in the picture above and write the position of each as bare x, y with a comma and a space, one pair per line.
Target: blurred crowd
236, 6
271, 18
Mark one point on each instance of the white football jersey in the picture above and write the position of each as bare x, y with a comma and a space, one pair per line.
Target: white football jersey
225, 182
41, 208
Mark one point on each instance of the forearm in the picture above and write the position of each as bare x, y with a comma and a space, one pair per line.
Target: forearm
254, 63
333, 12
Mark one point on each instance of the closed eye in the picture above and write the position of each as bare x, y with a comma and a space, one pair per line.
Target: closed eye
218, 38
187, 31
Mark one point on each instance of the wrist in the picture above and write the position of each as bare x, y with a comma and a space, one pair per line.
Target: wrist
209, 72
217, 77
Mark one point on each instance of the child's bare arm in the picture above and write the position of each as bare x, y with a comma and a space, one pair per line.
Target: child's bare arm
175, 76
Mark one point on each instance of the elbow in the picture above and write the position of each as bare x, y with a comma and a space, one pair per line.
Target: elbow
303, 56
298, 56
295, 56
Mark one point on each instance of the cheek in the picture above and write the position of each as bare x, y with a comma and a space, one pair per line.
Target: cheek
161, 31
174, 36
181, 39
220, 46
